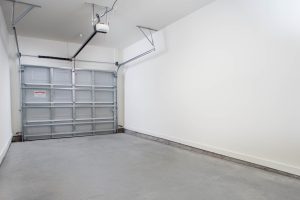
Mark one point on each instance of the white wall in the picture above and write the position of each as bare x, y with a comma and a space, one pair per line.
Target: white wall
33, 46
227, 82
6, 60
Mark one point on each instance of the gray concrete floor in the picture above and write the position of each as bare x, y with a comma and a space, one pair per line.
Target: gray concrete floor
124, 167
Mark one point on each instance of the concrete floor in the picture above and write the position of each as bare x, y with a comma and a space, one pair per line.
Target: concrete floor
124, 167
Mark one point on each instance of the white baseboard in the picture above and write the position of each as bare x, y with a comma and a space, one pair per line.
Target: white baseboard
249, 158
4, 150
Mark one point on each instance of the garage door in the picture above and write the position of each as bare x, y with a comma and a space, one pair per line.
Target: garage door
61, 102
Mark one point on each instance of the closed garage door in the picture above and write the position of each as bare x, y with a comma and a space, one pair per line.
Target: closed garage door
61, 102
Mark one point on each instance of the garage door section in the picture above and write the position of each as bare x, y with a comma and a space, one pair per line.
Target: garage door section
60, 102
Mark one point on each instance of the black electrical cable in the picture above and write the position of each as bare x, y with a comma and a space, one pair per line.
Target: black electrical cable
108, 11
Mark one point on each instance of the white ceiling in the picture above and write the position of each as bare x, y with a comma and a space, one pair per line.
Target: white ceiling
65, 20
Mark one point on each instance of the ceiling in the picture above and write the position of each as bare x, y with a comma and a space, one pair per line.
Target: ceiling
66, 20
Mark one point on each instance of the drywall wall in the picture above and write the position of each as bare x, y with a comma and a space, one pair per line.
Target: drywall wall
34, 46
6, 60
227, 82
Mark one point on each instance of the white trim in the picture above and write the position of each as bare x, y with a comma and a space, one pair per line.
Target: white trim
249, 158
4, 150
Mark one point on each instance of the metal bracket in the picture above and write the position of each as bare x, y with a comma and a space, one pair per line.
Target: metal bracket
15, 20
95, 18
151, 41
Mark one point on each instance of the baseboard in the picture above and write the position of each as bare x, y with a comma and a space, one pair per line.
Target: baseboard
247, 160
4, 150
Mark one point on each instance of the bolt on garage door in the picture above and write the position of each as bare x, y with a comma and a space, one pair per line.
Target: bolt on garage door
61, 102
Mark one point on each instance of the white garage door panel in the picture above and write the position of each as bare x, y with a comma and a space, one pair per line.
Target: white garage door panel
58, 102
62, 77
62, 113
84, 78
104, 96
83, 96
62, 96
105, 113
37, 75
36, 114
103, 79
84, 113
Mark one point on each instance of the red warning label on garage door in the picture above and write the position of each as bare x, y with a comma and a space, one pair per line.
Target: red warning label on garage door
40, 93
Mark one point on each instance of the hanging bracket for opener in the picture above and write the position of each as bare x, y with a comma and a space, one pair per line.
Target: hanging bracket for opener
150, 40
16, 19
